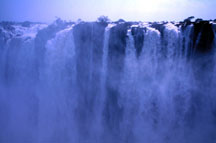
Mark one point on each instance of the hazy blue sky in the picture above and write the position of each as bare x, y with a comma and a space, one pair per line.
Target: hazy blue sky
142, 10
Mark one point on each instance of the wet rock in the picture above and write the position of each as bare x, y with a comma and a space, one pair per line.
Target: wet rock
138, 34
203, 36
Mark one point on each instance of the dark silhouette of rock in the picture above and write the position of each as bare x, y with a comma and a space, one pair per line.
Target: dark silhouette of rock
203, 36
198, 20
103, 19
120, 21
189, 18
187, 21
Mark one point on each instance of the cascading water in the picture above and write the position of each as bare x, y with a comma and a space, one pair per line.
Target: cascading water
122, 82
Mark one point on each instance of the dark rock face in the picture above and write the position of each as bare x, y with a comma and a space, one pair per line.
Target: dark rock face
138, 34
160, 27
117, 41
116, 54
203, 36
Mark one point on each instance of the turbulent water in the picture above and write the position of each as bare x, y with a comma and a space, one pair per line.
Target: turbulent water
117, 82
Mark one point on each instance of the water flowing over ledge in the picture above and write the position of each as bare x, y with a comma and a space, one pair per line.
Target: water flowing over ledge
99, 82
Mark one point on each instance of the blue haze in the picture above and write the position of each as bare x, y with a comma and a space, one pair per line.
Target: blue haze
137, 10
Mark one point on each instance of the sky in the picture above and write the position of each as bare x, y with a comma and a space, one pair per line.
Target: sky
90, 10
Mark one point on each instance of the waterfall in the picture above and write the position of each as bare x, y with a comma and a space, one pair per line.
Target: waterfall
57, 86
116, 82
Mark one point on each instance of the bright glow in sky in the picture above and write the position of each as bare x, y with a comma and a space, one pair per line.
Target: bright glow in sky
141, 10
